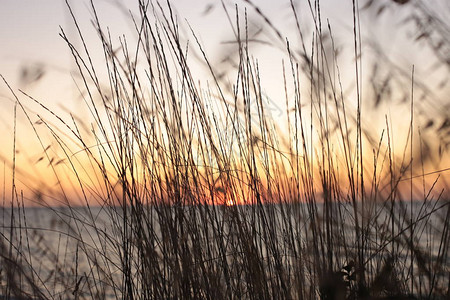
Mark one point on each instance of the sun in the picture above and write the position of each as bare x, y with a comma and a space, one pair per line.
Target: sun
229, 202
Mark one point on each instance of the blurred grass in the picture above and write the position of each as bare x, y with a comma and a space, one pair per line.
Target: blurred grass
193, 191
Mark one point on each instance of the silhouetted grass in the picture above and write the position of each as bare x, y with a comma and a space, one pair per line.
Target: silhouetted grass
194, 191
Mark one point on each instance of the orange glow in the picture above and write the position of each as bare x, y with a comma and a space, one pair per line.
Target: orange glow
63, 169
229, 202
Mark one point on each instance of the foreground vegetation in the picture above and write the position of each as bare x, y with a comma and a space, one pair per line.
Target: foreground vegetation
197, 192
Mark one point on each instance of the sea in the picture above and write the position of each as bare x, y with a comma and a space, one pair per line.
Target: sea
59, 246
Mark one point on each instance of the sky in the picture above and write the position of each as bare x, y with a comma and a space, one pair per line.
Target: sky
36, 60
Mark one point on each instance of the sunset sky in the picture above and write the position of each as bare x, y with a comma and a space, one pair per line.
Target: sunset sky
35, 59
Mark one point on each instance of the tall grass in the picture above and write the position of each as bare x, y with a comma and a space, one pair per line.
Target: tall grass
193, 191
